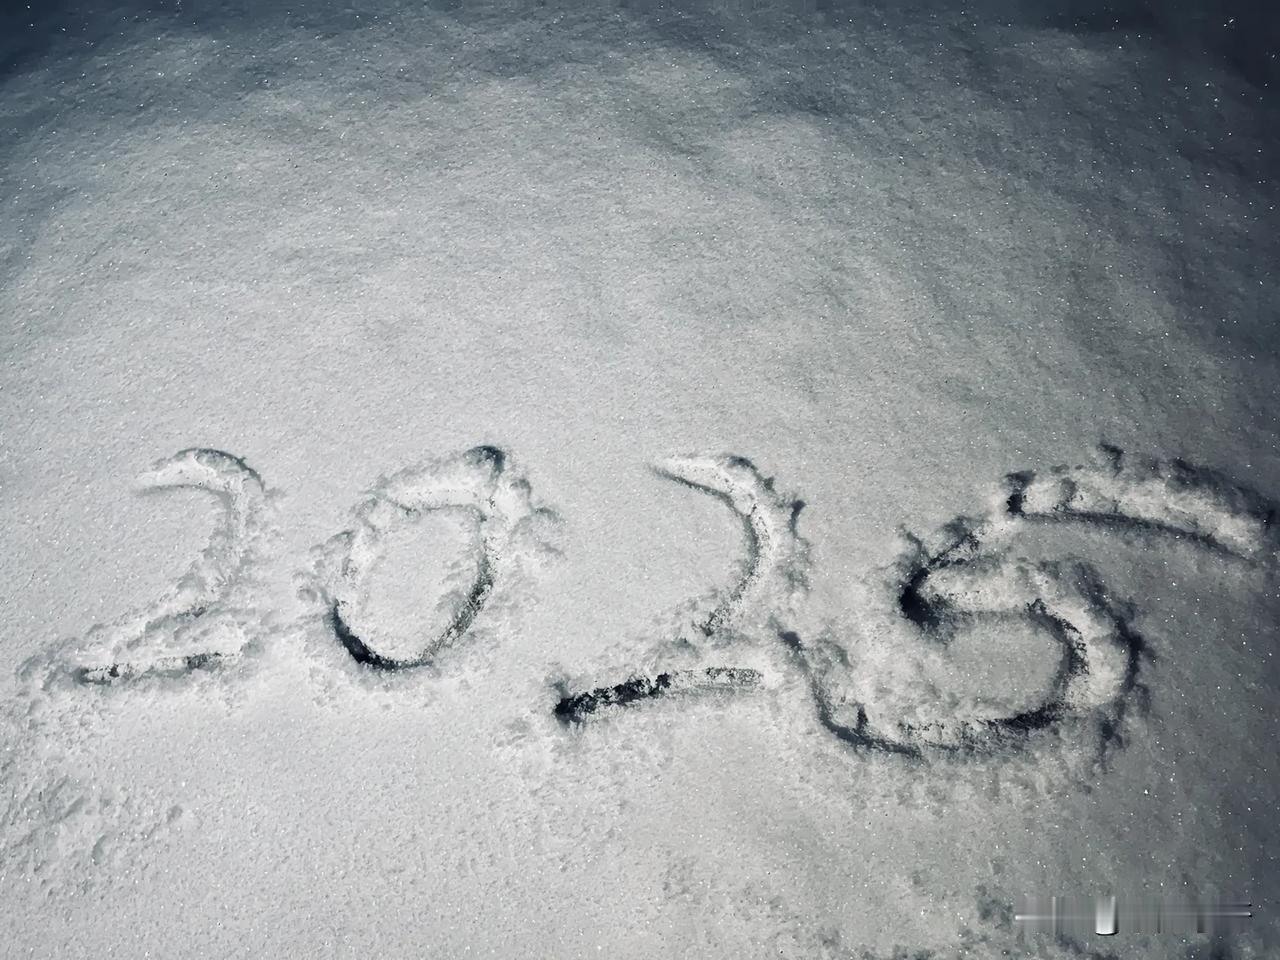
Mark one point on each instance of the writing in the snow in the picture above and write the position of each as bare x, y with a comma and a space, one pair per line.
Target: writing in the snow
970, 573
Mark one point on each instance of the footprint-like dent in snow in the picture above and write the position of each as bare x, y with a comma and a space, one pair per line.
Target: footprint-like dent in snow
207, 609
773, 578
480, 481
64, 832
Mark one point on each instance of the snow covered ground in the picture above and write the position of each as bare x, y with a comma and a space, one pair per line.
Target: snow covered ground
890, 391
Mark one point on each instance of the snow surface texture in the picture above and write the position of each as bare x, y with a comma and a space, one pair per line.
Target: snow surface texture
543, 689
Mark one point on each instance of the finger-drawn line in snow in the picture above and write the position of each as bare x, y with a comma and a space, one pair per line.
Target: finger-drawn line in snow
199, 607
774, 566
159, 667
479, 481
575, 708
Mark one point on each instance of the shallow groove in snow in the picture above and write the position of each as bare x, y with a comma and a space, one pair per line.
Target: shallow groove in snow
574, 708
776, 558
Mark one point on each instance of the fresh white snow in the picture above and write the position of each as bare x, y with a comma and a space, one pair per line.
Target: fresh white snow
890, 391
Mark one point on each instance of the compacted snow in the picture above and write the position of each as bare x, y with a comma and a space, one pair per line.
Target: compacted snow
539, 479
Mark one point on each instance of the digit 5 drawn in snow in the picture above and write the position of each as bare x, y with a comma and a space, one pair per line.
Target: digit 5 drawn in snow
974, 580
974, 575
480, 482
204, 620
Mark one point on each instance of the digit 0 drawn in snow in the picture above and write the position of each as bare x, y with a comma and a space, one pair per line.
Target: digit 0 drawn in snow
205, 620
480, 482
772, 579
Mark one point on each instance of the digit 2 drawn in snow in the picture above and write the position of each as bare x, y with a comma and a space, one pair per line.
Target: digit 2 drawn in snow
773, 577
203, 621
